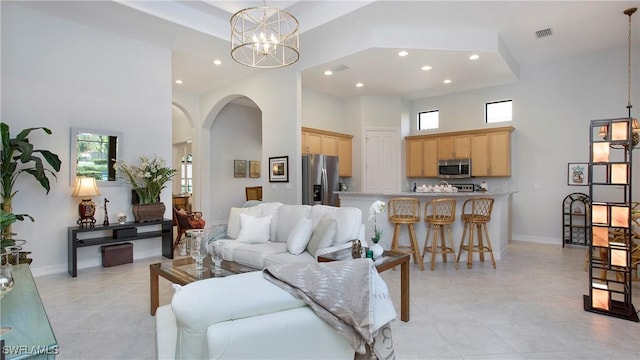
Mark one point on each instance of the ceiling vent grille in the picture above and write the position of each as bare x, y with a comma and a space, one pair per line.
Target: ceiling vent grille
543, 33
339, 68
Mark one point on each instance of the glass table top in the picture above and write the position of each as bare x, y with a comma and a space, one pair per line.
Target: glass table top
183, 271
30, 334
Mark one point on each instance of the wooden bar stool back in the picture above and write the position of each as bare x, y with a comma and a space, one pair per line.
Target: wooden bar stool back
439, 214
476, 213
405, 211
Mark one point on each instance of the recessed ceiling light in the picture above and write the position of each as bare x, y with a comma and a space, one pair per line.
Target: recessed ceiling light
403, 53
328, 72
474, 57
426, 68
217, 62
359, 84
448, 81
179, 82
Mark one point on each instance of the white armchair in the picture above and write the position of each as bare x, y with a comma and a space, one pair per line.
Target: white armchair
243, 317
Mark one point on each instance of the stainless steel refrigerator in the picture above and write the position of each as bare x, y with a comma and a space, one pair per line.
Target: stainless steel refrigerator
320, 180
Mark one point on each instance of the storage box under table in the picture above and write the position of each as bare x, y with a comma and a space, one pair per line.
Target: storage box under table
117, 254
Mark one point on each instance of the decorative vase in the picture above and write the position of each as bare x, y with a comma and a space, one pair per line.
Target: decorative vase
148, 212
377, 250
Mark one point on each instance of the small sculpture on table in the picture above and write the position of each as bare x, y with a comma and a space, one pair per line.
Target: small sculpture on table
106, 214
356, 249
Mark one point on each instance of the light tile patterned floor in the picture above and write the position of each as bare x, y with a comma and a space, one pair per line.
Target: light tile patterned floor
530, 307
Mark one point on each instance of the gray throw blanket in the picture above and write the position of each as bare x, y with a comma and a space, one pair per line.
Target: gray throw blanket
348, 295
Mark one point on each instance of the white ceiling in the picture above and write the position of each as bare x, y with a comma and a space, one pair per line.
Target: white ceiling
365, 36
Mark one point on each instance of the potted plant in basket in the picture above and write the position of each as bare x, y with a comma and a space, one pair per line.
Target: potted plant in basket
376, 208
147, 181
18, 157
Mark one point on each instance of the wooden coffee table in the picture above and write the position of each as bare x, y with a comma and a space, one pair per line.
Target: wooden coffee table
183, 271
388, 261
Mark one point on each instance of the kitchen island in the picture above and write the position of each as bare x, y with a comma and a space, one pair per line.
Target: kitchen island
499, 227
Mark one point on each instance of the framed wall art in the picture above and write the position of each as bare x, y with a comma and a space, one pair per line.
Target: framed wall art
254, 168
279, 169
578, 174
239, 168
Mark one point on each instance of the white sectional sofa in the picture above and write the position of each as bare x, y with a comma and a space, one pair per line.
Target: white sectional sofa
273, 233
243, 317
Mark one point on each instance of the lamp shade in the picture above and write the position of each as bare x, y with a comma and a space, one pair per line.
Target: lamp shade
85, 187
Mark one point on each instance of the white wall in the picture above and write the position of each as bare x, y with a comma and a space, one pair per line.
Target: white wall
236, 135
322, 111
553, 105
60, 75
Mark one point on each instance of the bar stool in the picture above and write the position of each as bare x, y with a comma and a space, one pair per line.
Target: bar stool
405, 211
439, 214
476, 213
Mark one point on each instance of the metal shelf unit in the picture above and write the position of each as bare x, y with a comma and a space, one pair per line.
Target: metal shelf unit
575, 219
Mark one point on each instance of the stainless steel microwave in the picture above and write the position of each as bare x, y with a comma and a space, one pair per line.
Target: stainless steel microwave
454, 169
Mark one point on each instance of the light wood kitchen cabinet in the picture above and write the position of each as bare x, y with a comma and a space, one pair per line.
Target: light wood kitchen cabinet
330, 145
422, 160
311, 143
454, 147
491, 154
316, 141
345, 154
488, 149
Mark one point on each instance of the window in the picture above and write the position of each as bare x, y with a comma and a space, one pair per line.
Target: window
498, 111
186, 174
428, 120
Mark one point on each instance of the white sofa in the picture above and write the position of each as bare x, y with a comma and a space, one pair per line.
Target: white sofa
243, 317
331, 229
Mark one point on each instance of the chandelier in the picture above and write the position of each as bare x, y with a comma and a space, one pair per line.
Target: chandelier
264, 37
635, 127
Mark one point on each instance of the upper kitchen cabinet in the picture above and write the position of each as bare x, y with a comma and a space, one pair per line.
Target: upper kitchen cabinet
345, 155
491, 153
311, 143
315, 141
421, 157
488, 149
454, 147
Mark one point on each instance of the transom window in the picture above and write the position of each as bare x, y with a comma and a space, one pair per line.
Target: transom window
428, 120
498, 111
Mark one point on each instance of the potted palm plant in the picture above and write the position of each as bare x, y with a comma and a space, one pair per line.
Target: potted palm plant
18, 157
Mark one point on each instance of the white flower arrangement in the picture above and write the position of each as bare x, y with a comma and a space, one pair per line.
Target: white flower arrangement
148, 179
376, 208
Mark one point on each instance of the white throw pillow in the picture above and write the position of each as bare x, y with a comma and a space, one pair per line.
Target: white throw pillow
254, 230
323, 235
299, 236
233, 224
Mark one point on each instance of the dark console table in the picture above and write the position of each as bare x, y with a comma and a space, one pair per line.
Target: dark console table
117, 233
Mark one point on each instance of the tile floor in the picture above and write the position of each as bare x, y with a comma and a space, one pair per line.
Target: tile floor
530, 307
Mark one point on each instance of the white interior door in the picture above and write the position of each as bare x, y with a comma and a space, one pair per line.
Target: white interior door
382, 162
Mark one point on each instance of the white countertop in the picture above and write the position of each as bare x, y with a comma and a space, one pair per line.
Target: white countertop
431, 194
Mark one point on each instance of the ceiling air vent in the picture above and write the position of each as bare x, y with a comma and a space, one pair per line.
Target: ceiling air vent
543, 33
339, 68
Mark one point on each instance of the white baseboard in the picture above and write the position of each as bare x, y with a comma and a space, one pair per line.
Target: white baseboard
537, 239
89, 263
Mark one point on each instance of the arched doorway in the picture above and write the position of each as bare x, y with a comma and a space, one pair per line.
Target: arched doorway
182, 157
236, 150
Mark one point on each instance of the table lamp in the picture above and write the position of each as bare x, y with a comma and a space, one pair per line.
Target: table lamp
85, 188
